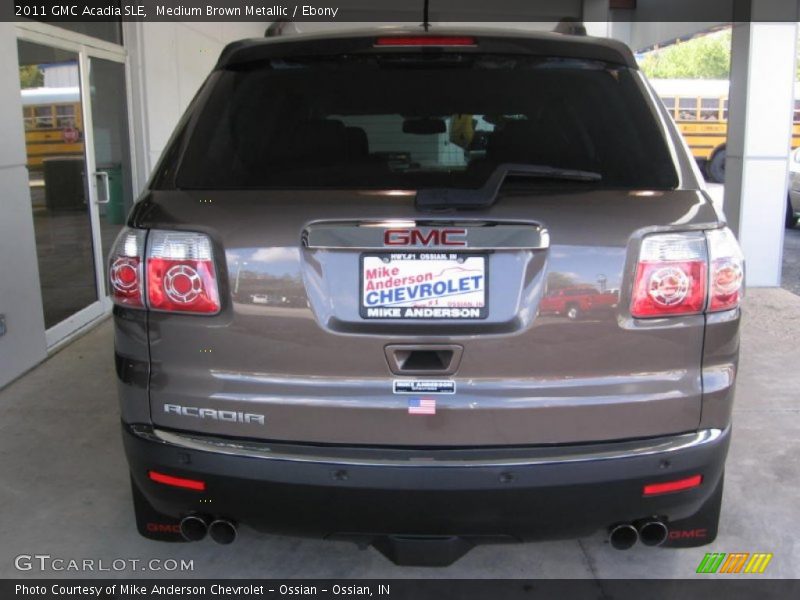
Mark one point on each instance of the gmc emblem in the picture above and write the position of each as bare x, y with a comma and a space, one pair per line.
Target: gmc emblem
433, 237
163, 528
682, 534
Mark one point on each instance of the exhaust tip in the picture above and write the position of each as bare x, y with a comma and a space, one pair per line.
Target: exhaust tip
222, 531
623, 537
193, 528
653, 533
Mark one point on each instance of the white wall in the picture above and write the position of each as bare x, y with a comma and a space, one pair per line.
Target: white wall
759, 141
168, 62
61, 76
645, 34
650, 27
20, 301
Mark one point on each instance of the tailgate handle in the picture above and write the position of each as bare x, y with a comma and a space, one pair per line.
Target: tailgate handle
423, 359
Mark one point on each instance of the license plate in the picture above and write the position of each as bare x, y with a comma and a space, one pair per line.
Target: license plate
447, 285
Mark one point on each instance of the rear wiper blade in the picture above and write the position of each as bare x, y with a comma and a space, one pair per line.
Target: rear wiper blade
486, 195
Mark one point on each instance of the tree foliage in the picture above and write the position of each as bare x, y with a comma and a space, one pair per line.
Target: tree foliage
704, 57
31, 76
557, 280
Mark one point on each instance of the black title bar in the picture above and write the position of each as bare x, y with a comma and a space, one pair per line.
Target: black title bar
405, 11
400, 589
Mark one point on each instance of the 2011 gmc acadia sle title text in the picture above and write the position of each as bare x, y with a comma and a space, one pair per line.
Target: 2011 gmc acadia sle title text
372, 333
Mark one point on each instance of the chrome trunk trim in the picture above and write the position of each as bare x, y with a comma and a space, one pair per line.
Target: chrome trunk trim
478, 234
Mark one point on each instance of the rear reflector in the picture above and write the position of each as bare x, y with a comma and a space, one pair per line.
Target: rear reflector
180, 482
426, 40
667, 487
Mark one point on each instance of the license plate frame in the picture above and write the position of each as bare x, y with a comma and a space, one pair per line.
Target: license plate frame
471, 263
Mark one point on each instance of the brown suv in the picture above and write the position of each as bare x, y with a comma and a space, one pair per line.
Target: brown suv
329, 301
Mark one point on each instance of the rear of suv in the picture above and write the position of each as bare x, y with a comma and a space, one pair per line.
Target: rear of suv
332, 301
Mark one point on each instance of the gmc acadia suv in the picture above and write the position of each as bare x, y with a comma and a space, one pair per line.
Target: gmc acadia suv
329, 301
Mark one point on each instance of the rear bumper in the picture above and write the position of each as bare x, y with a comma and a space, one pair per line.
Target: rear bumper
522, 493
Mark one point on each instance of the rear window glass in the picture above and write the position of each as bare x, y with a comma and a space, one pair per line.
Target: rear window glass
412, 122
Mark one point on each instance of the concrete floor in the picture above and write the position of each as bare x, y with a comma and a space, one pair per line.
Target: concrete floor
65, 487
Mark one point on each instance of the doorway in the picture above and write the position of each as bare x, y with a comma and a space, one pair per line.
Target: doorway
79, 172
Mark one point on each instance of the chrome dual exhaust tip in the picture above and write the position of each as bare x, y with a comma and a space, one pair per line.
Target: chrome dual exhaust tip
651, 532
222, 531
623, 536
195, 527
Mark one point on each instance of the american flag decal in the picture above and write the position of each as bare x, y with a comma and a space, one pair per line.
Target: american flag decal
421, 406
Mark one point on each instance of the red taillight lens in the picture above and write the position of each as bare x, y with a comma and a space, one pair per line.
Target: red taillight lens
668, 487
688, 273
670, 277
426, 40
125, 268
189, 484
726, 277
180, 273
177, 269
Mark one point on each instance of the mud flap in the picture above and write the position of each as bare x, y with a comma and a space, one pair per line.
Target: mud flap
152, 524
699, 529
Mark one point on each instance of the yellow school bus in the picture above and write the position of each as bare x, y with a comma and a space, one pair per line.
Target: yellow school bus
700, 109
53, 123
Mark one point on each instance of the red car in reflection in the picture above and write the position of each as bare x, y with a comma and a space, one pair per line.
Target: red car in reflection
577, 301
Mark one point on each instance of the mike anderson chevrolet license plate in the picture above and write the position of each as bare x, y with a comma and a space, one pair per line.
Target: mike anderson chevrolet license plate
423, 285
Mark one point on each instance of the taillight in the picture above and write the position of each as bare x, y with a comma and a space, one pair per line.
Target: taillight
726, 276
125, 275
180, 272
671, 276
688, 273
426, 40
175, 273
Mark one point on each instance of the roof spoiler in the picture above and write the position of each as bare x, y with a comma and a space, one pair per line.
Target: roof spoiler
289, 46
570, 26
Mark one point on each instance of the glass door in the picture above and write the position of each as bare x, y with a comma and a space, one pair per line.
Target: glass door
111, 152
55, 142
79, 172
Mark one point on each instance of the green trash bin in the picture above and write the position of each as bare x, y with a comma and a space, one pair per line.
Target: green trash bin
63, 183
115, 209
